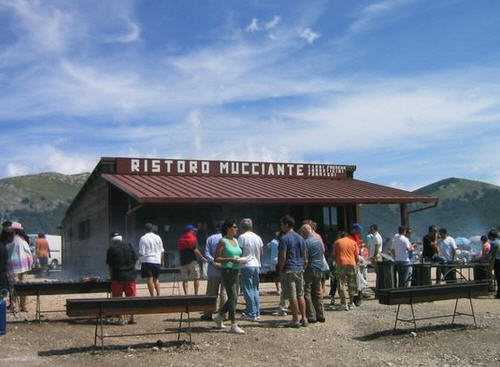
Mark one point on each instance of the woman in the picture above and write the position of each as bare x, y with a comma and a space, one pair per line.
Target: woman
228, 254
20, 259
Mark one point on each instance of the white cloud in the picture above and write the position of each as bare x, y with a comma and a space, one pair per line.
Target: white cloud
253, 26
273, 23
134, 33
309, 35
194, 121
14, 169
373, 12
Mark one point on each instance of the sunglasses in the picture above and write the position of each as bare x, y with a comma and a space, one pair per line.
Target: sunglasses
234, 226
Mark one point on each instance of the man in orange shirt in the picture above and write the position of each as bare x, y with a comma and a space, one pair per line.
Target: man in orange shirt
42, 251
346, 252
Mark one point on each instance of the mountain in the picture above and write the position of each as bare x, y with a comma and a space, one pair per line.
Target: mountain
38, 201
466, 208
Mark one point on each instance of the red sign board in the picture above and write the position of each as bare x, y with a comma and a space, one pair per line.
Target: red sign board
183, 167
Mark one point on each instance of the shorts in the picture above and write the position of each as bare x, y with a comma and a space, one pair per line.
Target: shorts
119, 287
190, 271
292, 283
44, 261
347, 276
150, 270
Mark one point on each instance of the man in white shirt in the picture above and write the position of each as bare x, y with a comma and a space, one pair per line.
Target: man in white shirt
252, 248
375, 243
402, 246
151, 256
448, 249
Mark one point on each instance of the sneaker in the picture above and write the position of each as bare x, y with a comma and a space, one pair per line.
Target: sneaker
132, 322
352, 306
219, 322
312, 321
332, 302
320, 319
279, 313
293, 324
345, 307
206, 317
235, 329
304, 322
248, 318
257, 318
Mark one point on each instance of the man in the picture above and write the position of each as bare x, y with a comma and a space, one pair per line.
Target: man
402, 248
121, 259
151, 256
448, 250
313, 275
188, 251
6, 237
346, 252
252, 248
292, 260
42, 249
356, 230
375, 242
494, 256
214, 282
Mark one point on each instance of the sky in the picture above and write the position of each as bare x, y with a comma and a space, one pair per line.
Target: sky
406, 90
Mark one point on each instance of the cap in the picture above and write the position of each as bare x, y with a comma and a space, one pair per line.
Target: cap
114, 234
190, 227
357, 226
16, 225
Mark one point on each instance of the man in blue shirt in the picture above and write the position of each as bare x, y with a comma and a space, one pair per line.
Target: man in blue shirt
292, 260
214, 284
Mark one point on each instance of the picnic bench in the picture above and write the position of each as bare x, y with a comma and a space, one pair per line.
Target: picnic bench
431, 293
99, 308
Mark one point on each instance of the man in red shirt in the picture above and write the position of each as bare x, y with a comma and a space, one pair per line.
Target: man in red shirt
42, 251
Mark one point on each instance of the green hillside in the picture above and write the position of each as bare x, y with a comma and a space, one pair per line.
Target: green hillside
38, 201
465, 208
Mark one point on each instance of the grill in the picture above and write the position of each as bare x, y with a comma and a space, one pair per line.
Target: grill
54, 287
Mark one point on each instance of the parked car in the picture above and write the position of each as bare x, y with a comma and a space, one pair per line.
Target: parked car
55, 259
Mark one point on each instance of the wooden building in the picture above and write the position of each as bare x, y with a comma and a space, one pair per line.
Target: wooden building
122, 194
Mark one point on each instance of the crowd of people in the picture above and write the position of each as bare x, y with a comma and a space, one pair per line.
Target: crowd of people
17, 258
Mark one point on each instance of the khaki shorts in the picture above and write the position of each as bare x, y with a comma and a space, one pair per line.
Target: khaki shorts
347, 276
292, 283
191, 271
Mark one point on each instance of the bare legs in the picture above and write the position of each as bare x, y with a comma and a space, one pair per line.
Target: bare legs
153, 285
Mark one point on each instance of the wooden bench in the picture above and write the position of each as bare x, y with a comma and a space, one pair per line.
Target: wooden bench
103, 307
431, 293
57, 288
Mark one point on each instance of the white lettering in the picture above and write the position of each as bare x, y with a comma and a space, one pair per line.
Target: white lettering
155, 166
193, 167
181, 166
134, 165
280, 169
205, 167
235, 168
270, 170
300, 170
290, 168
254, 169
169, 165
145, 162
244, 168
224, 168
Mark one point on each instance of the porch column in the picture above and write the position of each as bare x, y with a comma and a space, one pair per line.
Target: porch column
405, 220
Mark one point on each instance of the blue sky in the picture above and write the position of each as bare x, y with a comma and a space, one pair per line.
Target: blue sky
407, 90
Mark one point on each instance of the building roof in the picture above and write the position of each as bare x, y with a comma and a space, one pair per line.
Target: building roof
223, 189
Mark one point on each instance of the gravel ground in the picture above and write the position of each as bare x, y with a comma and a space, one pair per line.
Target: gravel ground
363, 336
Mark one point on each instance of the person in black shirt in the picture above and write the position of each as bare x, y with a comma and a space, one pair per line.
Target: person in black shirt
121, 260
6, 237
430, 252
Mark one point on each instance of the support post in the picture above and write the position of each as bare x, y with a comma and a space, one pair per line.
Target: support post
405, 219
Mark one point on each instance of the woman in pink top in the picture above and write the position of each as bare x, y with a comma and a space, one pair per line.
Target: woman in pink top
486, 248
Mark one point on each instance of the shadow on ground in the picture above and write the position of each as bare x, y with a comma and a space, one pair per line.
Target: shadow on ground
406, 331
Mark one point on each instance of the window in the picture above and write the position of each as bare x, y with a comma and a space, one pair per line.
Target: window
84, 229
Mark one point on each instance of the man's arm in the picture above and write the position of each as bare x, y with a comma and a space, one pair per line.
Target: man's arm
198, 253
281, 260
207, 254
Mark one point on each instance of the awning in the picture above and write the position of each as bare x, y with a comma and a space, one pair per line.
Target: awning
195, 189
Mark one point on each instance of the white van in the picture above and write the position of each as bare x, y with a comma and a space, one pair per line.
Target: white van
55, 259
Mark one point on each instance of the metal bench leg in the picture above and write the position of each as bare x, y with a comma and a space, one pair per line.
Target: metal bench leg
180, 328
95, 333
38, 312
473, 314
414, 320
454, 312
397, 316
189, 326
102, 332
